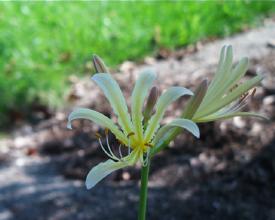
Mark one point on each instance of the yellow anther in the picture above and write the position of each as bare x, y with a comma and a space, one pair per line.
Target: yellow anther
120, 142
106, 131
130, 134
243, 96
98, 136
148, 145
253, 92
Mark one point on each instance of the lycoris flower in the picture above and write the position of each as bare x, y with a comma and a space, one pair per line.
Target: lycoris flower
226, 96
132, 130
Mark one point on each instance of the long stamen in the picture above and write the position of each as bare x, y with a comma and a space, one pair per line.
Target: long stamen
145, 162
108, 145
119, 150
243, 100
241, 103
233, 108
112, 156
129, 145
109, 155
129, 149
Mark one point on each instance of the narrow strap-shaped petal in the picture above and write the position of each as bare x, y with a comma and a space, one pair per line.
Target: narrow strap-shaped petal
231, 115
103, 169
220, 66
224, 67
179, 122
98, 118
142, 86
165, 99
237, 73
113, 93
229, 97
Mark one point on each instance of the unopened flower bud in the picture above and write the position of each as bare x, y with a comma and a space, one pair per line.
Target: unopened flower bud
150, 104
99, 65
195, 101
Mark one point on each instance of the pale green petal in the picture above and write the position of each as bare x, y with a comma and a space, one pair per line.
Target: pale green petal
223, 72
238, 72
113, 93
231, 115
142, 86
164, 101
98, 118
179, 122
103, 169
230, 97
220, 67
235, 75
221, 59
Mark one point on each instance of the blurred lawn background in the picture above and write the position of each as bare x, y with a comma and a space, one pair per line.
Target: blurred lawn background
42, 44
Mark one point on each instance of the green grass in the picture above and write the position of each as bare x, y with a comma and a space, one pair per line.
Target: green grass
41, 44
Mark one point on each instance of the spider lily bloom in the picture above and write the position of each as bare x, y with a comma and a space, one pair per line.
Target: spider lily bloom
130, 131
225, 96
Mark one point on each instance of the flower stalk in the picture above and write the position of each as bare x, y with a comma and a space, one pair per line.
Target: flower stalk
143, 191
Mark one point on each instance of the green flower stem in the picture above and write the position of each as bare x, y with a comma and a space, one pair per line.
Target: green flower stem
143, 191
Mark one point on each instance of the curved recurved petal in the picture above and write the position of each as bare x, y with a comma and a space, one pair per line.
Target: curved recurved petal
113, 93
179, 122
165, 99
142, 86
103, 169
230, 115
98, 118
